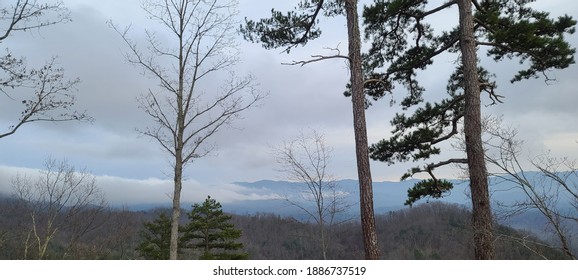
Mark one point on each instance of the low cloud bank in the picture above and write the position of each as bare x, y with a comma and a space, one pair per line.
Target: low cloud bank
128, 192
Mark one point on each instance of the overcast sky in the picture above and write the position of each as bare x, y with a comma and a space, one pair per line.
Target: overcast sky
132, 167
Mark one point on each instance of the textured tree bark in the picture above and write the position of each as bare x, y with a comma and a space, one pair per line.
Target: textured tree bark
481, 212
360, 130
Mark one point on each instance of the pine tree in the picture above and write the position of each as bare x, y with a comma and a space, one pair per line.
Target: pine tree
210, 231
156, 239
505, 29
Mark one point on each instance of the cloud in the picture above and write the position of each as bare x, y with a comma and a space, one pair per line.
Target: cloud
122, 191
9, 172
563, 145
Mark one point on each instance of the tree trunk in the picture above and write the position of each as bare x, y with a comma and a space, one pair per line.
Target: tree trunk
178, 176
176, 215
321, 220
481, 211
360, 130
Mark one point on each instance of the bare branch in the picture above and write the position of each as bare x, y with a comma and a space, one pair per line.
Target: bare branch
317, 58
51, 101
545, 191
25, 15
47, 96
526, 242
305, 159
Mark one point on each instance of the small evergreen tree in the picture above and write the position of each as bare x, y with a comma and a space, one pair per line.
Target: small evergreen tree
156, 239
210, 231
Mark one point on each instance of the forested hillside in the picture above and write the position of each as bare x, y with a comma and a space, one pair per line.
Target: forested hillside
428, 231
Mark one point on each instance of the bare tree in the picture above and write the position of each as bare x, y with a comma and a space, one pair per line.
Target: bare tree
60, 199
44, 93
305, 159
203, 32
552, 189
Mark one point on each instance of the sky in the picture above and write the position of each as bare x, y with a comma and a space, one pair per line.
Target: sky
131, 167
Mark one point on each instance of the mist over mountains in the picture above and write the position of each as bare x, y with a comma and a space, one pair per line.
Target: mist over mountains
390, 196
387, 195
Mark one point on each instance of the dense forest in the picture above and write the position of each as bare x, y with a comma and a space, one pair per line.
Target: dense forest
427, 231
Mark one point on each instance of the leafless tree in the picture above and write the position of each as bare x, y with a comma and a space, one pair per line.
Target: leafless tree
305, 159
185, 115
60, 199
553, 190
45, 93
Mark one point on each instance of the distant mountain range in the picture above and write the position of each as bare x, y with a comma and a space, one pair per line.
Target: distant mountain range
387, 196
390, 196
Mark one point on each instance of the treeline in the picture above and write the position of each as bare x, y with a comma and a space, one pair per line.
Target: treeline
427, 231
113, 234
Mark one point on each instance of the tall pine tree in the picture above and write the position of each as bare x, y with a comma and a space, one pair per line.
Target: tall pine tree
297, 27
403, 43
